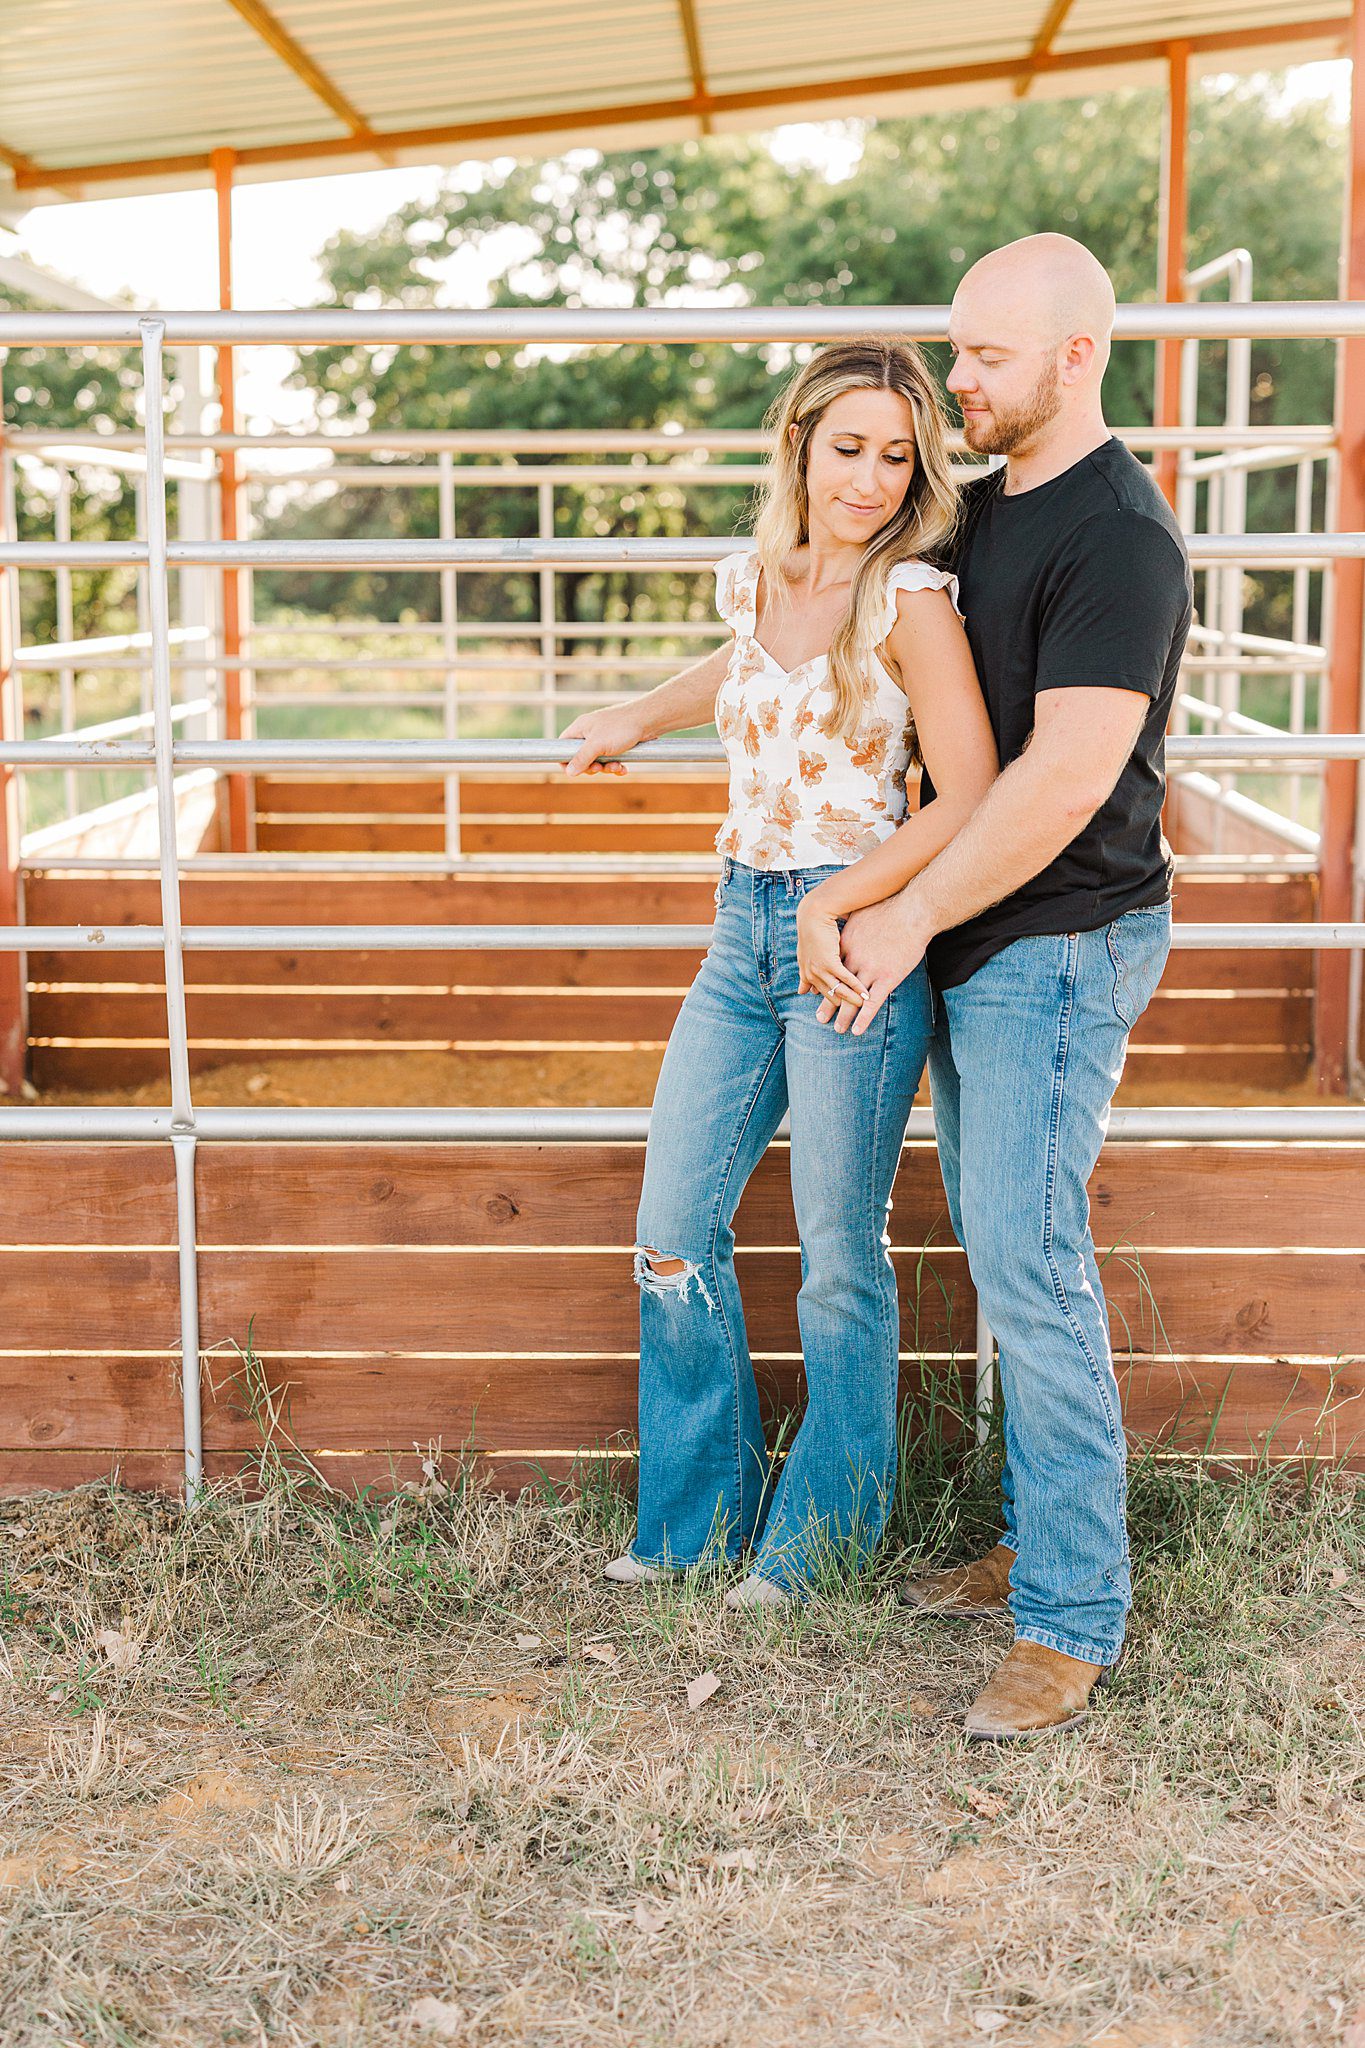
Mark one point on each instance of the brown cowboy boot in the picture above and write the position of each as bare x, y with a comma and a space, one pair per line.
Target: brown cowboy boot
979, 1588
1034, 1690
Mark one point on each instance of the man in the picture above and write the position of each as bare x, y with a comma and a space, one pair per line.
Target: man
1046, 924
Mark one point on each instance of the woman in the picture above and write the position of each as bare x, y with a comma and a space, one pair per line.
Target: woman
848, 664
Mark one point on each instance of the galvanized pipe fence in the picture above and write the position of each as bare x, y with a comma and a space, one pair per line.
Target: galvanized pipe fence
181, 1123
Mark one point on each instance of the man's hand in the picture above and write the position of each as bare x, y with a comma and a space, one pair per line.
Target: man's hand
881, 945
615, 729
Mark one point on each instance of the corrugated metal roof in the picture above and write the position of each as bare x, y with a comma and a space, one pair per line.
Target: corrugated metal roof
134, 96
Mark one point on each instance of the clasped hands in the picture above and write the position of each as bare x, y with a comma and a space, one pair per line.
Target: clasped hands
854, 963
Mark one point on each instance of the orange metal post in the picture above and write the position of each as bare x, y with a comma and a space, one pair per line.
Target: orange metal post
13, 1028
238, 838
1342, 709
1171, 250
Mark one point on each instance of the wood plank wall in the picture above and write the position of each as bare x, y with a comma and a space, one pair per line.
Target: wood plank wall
482, 1294
98, 1019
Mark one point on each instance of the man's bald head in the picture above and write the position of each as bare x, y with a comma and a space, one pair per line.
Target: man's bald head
1047, 287
1031, 323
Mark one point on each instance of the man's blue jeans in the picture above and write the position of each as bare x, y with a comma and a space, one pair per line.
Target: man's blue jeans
745, 1048
1024, 1063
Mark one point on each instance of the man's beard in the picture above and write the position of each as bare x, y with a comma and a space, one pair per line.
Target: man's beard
1005, 433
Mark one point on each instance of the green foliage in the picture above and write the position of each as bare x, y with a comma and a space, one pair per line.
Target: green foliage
724, 216
925, 198
94, 391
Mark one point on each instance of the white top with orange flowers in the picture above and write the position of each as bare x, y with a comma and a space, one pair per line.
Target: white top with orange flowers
799, 797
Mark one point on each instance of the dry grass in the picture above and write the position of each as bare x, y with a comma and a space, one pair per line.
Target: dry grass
302, 1770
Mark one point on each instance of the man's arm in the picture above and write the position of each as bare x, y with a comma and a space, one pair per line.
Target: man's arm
1036, 807
685, 700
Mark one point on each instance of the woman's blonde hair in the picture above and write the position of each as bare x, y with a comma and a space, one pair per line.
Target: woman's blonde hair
921, 526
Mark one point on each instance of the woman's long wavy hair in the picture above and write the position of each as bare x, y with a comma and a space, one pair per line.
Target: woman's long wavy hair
921, 527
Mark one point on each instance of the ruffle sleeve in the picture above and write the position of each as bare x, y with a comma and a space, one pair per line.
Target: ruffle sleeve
917, 576
737, 590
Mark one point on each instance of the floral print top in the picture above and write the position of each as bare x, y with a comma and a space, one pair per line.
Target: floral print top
798, 797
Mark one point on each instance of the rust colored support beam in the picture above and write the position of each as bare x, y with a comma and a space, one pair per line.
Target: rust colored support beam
13, 1022
273, 31
694, 106
1171, 253
238, 837
1042, 42
24, 167
687, 16
1346, 640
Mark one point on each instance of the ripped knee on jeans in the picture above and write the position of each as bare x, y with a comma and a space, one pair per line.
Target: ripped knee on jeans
661, 1273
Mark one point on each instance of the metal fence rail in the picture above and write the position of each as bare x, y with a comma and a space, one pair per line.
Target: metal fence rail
180, 1123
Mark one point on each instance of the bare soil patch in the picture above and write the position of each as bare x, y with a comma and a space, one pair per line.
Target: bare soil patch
243, 1802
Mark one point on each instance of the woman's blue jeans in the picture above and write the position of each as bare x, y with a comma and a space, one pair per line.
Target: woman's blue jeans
745, 1049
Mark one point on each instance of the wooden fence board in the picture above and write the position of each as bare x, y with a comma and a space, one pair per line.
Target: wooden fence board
535, 795
645, 834
1226, 1302
86, 1194
1249, 974
91, 1067
1147, 1195
433, 1015
1253, 1342
76, 1401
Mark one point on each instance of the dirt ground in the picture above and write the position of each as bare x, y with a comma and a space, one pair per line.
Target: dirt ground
529, 1080
296, 1770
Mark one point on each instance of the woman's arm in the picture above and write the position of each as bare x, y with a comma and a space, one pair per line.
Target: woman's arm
687, 699
935, 663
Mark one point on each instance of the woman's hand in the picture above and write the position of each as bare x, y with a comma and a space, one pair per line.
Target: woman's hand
819, 961
615, 729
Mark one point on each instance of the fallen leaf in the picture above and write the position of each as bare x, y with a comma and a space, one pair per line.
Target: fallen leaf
121, 1650
989, 2019
699, 1690
650, 1917
989, 1804
528, 1642
1354, 2037
437, 2016
605, 1653
1339, 1578
733, 1859
343, 1883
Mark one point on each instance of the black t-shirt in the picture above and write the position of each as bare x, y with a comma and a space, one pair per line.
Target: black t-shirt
1082, 582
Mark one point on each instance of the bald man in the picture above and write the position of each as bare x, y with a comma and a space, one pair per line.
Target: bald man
1046, 924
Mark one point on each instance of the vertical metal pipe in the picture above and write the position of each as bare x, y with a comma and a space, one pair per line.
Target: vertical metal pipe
144, 694
66, 630
545, 505
183, 1147
14, 967
1298, 681
985, 1374
10, 597
450, 646
1233, 512
177, 1029
238, 784
246, 675
1171, 251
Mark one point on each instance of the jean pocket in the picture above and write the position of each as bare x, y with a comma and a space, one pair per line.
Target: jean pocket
1139, 944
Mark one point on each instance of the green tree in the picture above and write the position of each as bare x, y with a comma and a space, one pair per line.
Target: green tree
94, 391
723, 216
